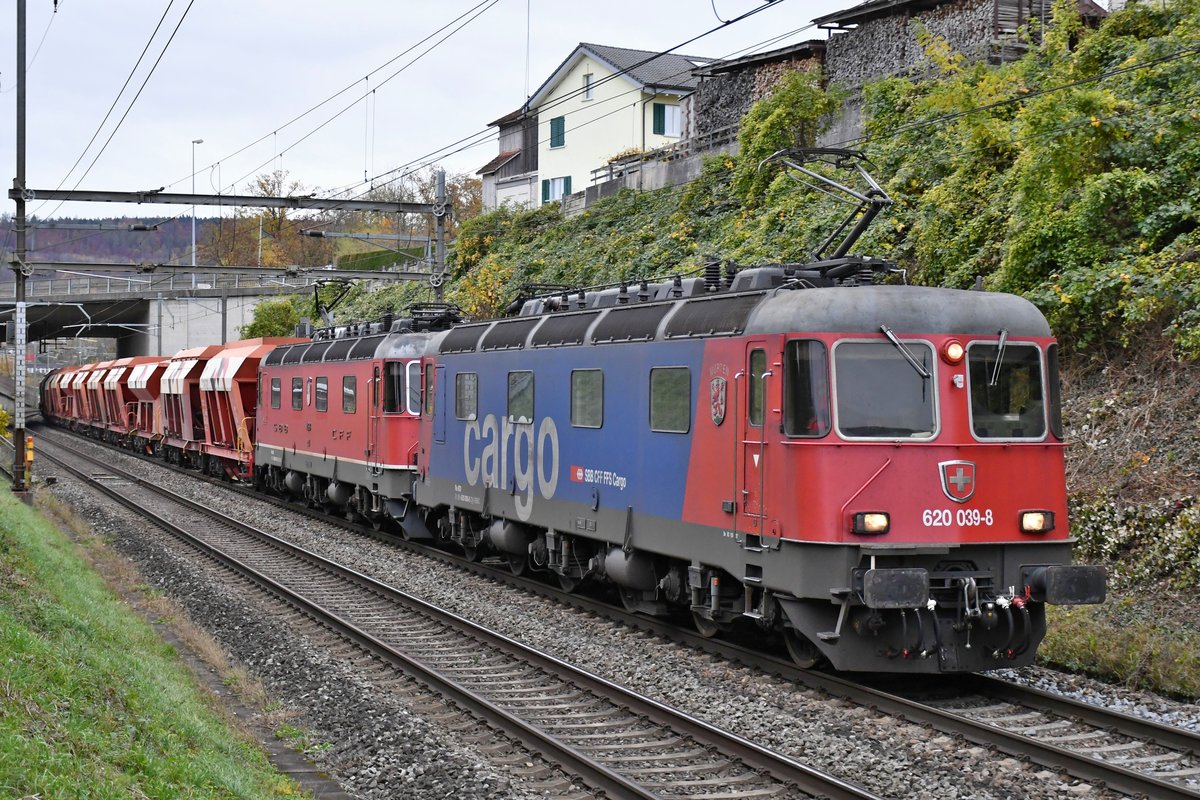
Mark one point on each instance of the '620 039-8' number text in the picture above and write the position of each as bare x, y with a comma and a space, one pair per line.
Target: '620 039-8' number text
962, 517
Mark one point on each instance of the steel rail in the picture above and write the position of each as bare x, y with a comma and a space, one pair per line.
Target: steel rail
780, 767
1049, 755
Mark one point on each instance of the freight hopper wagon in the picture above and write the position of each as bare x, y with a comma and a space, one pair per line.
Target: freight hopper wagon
123, 410
873, 472
229, 390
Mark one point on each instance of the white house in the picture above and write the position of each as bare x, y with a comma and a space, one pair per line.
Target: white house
511, 177
602, 101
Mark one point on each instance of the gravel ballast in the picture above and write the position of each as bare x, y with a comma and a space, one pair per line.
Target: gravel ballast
374, 747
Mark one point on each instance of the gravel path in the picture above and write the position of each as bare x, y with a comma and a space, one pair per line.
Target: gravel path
891, 757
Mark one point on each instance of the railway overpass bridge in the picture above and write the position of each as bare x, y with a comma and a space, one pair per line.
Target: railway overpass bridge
160, 311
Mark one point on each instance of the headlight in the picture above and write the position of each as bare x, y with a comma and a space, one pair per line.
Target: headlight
872, 522
1037, 521
953, 352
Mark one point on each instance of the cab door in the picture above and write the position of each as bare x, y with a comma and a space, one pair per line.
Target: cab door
375, 421
752, 386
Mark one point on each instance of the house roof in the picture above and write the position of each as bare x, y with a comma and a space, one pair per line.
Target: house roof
498, 162
813, 48
874, 9
510, 117
643, 68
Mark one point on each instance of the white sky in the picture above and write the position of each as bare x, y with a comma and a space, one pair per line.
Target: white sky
239, 70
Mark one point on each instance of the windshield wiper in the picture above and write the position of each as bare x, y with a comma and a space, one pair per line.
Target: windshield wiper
904, 351
999, 357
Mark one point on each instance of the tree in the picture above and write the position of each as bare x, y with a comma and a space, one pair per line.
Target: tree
237, 241
273, 318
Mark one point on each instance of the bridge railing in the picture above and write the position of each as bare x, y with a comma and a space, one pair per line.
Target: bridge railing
149, 284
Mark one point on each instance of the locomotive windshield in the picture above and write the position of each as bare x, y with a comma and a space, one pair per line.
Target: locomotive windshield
1007, 397
879, 392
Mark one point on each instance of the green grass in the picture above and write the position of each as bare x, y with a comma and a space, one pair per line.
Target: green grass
1145, 640
93, 704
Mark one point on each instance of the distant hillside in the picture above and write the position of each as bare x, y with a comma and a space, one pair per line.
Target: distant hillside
63, 240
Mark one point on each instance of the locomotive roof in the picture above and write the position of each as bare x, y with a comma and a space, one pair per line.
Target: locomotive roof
906, 309
861, 309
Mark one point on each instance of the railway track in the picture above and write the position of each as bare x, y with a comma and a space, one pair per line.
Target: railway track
614, 740
1123, 752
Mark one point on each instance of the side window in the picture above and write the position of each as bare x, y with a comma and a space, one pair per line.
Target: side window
275, 393
805, 388
414, 388
587, 398
520, 396
466, 395
297, 393
758, 365
322, 394
670, 399
349, 394
393, 387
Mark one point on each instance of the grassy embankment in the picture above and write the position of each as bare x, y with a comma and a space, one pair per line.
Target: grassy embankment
92, 702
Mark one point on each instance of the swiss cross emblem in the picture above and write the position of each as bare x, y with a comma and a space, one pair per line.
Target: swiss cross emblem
958, 479
716, 396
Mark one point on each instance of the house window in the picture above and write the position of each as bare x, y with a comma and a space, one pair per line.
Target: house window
558, 131
349, 394
466, 395
587, 398
670, 399
667, 120
297, 393
589, 88
520, 396
322, 394
275, 392
555, 188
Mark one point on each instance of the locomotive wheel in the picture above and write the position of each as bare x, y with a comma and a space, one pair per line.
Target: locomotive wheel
517, 563
803, 652
471, 554
630, 599
567, 583
705, 626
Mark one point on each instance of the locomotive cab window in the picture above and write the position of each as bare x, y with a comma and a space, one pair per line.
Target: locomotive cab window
1007, 396
805, 388
393, 387
349, 394
322, 394
758, 366
587, 398
297, 394
466, 395
414, 388
881, 394
275, 393
670, 399
520, 396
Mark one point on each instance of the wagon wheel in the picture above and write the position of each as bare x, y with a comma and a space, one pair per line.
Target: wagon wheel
803, 652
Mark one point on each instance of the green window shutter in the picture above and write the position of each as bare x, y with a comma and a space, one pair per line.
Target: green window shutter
566, 186
660, 119
546, 191
558, 132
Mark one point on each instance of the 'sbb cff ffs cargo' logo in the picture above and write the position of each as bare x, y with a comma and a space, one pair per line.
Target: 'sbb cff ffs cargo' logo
958, 479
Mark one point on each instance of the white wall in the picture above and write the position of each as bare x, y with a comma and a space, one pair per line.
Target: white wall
618, 118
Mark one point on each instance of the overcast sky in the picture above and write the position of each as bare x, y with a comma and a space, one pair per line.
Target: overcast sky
237, 72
